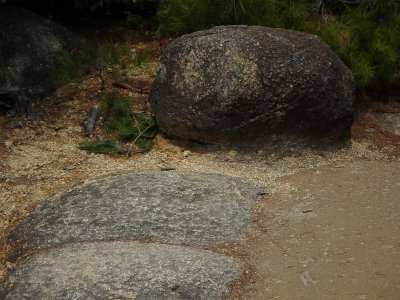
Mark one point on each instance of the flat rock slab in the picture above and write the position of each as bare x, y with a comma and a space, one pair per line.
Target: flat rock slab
199, 209
122, 270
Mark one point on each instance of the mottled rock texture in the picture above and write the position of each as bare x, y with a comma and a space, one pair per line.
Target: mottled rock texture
197, 209
121, 270
251, 83
30, 47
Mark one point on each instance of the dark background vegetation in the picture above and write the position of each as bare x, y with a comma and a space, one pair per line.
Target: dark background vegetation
364, 33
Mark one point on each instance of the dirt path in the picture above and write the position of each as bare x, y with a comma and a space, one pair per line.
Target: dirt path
335, 235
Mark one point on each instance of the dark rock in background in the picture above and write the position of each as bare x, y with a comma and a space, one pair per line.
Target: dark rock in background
122, 270
30, 47
240, 84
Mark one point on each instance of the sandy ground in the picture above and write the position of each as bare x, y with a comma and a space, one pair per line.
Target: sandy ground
332, 234
326, 228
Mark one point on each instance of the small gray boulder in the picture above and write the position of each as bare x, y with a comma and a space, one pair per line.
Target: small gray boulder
238, 84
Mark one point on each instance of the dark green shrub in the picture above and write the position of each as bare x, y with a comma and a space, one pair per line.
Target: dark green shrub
134, 10
262, 12
365, 36
141, 7
180, 16
374, 45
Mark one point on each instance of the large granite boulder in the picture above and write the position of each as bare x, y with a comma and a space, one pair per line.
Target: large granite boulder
30, 47
250, 83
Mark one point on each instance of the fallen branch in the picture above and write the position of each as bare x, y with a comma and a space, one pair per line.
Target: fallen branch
124, 85
128, 153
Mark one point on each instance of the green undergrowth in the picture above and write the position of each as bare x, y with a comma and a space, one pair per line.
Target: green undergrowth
123, 127
364, 33
119, 60
104, 147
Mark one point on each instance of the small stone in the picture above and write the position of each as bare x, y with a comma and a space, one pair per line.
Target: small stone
387, 247
232, 153
70, 168
8, 143
166, 168
18, 125
5, 177
186, 153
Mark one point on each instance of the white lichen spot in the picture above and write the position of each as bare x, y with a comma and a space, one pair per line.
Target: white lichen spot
162, 72
229, 72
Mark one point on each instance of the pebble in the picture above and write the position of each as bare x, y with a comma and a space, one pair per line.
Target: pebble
70, 168
8, 143
18, 125
186, 153
232, 153
166, 167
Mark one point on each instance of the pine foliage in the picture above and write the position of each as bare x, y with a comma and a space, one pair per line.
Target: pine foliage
122, 125
107, 146
72, 66
364, 33
121, 62
126, 125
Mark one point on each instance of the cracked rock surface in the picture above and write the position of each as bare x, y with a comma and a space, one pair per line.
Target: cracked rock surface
122, 270
199, 209
111, 239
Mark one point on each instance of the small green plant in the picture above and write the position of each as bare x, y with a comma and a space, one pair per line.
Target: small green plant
115, 112
107, 146
121, 123
141, 131
69, 67
141, 59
